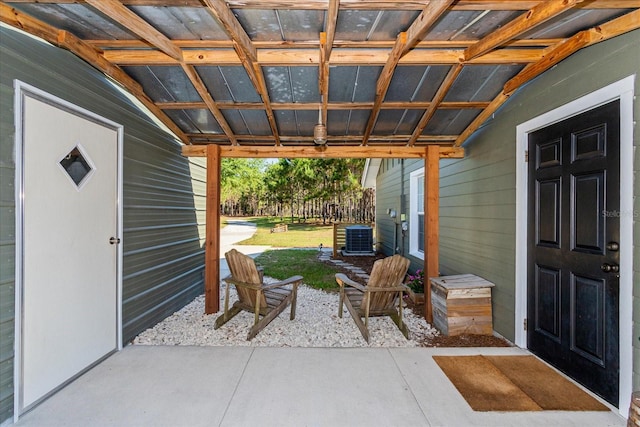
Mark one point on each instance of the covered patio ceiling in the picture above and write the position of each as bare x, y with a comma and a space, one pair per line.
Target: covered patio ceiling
386, 77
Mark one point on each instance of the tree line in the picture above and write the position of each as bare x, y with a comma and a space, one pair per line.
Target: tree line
326, 189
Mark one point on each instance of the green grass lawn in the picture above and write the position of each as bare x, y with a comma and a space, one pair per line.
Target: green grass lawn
300, 235
283, 263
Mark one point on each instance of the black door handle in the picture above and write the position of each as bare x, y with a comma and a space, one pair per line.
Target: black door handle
610, 268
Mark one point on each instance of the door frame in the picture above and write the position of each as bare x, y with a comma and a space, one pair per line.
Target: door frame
624, 91
22, 90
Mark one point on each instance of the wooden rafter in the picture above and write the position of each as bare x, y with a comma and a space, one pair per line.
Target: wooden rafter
525, 22
454, 72
562, 50
621, 25
88, 53
404, 42
120, 13
505, 45
210, 104
247, 53
383, 84
327, 38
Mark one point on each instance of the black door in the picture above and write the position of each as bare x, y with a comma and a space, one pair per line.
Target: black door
574, 230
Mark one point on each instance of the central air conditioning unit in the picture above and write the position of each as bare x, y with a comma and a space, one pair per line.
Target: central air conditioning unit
359, 240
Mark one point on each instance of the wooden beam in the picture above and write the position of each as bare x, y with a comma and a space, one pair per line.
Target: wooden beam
435, 102
480, 119
212, 242
424, 21
404, 42
356, 152
360, 4
313, 106
120, 13
382, 85
564, 49
91, 55
211, 105
312, 44
431, 224
222, 12
525, 22
310, 57
247, 53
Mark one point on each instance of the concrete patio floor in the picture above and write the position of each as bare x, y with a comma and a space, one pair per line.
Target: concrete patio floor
233, 386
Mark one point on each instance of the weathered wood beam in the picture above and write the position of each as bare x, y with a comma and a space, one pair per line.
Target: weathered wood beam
525, 22
221, 11
431, 224
621, 25
326, 46
404, 42
121, 14
309, 106
247, 53
88, 53
382, 85
435, 102
336, 141
209, 102
360, 4
323, 75
310, 57
312, 44
480, 119
564, 49
212, 232
356, 152
423, 22
128, 19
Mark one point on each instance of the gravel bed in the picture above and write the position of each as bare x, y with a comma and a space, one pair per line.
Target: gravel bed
316, 325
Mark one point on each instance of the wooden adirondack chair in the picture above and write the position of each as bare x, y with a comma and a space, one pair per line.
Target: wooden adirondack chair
254, 296
382, 296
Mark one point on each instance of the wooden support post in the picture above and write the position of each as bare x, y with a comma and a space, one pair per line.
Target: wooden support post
431, 223
212, 243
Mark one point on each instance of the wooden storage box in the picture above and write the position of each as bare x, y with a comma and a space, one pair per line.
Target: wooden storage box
462, 304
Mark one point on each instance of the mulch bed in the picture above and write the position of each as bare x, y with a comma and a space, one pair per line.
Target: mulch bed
466, 340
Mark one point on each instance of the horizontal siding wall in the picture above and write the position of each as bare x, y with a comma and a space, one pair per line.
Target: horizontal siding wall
478, 192
163, 195
388, 190
477, 222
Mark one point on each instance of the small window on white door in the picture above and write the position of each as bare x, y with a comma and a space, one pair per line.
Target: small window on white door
77, 166
416, 215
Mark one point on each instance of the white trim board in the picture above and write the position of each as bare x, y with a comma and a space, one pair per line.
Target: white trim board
624, 91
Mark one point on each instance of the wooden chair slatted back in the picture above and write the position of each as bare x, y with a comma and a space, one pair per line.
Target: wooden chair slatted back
386, 273
243, 269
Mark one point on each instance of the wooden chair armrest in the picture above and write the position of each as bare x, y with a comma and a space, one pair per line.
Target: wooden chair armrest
293, 279
342, 280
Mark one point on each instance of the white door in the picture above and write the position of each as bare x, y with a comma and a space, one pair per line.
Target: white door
69, 291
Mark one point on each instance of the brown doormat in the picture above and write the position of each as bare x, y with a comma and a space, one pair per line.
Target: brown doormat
514, 383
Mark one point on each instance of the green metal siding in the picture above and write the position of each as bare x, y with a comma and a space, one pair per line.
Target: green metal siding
163, 204
388, 189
